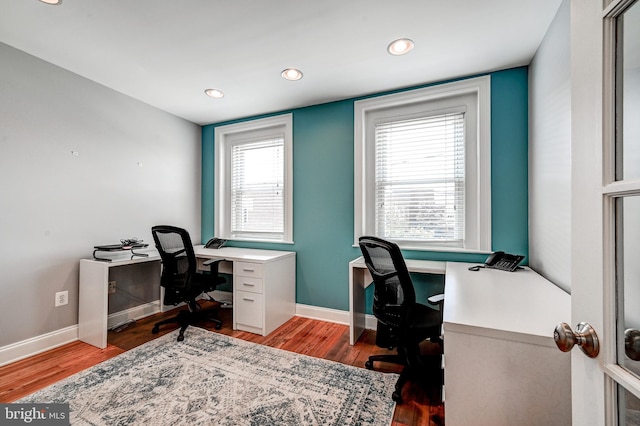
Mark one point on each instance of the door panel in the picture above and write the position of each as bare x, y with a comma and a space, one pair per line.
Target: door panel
606, 208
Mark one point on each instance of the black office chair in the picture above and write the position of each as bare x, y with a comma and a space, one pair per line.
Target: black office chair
182, 281
402, 322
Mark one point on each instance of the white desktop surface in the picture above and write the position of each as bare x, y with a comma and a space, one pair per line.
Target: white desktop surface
238, 253
507, 305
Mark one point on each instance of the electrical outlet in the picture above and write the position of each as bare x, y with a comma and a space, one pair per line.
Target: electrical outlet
62, 298
112, 287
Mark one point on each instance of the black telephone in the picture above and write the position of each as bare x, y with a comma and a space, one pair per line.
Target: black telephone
503, 261
215, 243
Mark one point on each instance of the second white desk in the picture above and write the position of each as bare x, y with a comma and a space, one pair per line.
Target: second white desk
264, 290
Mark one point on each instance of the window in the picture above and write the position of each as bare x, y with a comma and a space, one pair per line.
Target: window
253, 188
422, 172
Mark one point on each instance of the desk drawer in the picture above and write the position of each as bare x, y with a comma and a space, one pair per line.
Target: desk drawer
253, 285
246, 269
248, 308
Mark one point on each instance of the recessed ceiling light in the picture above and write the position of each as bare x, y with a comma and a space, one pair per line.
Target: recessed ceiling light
400, 46
54, 2
214, 93
292, 74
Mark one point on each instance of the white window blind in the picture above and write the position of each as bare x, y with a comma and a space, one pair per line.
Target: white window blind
420, 179
257, 188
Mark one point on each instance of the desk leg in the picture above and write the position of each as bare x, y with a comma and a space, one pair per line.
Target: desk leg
356, 303
93, 301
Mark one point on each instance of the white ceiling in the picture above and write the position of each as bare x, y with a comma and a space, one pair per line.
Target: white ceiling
167, 52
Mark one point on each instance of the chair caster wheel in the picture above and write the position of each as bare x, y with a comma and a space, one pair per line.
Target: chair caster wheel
396, 397
218, 326
368, 365
155, 330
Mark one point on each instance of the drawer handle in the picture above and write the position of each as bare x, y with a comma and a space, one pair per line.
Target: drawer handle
248, 269
248, 299
249, 284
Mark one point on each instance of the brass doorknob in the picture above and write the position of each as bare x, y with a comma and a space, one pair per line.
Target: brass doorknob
584, 336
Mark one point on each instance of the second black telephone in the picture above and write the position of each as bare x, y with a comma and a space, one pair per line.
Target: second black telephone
215, 243
503, 261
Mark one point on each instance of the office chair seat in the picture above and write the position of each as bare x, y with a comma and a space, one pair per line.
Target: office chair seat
423, 322
402, 322
182, 281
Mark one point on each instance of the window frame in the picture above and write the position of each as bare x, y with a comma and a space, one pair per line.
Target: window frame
225, 137
477, 185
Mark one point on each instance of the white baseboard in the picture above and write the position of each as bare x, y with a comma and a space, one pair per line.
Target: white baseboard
35, 345
323, 314
134, 313
332, 315
29, 347
370, 322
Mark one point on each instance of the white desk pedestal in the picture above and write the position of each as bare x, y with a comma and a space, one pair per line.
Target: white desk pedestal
264, 286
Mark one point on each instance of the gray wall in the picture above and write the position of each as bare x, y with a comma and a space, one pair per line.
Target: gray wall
550, 154
54, 206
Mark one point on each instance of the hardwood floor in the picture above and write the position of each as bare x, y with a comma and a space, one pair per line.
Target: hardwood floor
421, 405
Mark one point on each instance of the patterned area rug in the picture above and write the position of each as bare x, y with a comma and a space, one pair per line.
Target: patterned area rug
213, 379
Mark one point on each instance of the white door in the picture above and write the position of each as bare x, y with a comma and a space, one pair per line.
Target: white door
605, 261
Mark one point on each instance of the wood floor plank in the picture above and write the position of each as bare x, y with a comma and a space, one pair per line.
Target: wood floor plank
421, 405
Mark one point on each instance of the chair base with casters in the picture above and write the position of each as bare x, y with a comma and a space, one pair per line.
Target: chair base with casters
415, 365
185, 318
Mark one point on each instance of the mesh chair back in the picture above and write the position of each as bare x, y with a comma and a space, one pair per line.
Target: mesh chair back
393, 288
176, 251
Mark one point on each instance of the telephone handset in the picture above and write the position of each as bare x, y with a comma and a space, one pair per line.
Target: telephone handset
500, 260
215, 243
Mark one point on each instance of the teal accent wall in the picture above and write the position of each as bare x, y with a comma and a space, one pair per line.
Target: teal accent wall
206, 227
323, 191
510, 161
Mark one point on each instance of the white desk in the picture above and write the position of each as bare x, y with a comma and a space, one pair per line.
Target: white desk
502, 366
360, 278
264, 290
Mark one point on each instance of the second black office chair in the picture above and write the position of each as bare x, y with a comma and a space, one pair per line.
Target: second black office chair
182, 281
402, 322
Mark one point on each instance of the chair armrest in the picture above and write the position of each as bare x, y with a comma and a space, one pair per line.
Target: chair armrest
211, 262
213, 265
436, 299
